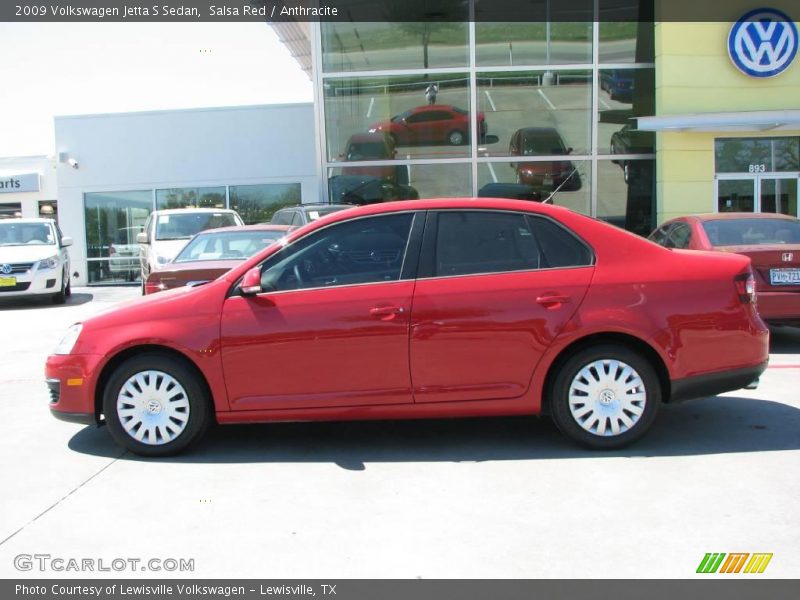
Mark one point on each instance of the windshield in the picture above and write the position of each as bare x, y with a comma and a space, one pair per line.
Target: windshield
401, 116
182, 226
752, 232
231, 245
366, 150
24, 234
542, 144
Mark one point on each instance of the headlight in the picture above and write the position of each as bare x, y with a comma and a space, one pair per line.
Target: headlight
162, 260
50, 262
67, 342
373, 129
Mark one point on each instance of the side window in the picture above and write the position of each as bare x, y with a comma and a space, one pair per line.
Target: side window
474, 242
282, 217
679, 236
558, 246
368, 250
660, 235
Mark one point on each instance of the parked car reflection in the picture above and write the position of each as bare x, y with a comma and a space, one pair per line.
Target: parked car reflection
430, 124
544, 175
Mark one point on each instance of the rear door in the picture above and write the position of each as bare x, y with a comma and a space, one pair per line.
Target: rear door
494, 290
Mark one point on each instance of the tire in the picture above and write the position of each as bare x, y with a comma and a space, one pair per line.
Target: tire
159, 400
456, 138
68, 289
596, 374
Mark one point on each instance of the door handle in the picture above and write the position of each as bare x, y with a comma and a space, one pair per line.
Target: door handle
386, 312
552, 301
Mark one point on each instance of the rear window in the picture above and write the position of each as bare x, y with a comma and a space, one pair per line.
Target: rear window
752, 232
182, 226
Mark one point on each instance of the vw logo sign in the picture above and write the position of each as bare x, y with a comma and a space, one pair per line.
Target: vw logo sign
763, 42
5, 269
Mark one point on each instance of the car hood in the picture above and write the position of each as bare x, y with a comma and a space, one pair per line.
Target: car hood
168, 248
27, 253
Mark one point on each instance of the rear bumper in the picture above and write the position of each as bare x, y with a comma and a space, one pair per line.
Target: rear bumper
779, 306
712, 384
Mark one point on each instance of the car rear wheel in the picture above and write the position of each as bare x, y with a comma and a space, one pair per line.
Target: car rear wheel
455, 137
605, 397
154, 405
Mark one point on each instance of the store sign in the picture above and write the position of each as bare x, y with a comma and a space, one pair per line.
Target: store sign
763, 43
27, 182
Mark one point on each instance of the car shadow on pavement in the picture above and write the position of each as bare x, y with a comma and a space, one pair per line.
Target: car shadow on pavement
784, 340
715, 425
20, 303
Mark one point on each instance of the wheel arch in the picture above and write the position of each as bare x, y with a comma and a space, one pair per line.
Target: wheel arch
131, 352
629, 341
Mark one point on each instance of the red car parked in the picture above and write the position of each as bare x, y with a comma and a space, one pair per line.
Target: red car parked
436, 308
211, 253
430, 124
771, 241
547, 176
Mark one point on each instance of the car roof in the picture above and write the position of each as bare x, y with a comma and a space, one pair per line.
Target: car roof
377, 136
734, 216
238, 228
539, 131
172, 211
429, 107
28, 220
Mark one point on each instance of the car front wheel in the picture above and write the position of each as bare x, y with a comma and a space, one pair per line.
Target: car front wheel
154, 405
605, 397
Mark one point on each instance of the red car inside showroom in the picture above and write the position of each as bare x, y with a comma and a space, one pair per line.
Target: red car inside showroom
436, 308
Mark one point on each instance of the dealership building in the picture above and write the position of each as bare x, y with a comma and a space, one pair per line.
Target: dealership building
633, 120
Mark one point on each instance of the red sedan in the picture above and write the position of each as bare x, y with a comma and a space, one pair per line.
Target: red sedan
771, 241
430, 124
211, 253
436, 308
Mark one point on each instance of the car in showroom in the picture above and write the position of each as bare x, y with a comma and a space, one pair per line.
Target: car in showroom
303, 214
123, 253
770, 240
211, 253
430, 124
544, 176
166, 232
34, 260
434, 308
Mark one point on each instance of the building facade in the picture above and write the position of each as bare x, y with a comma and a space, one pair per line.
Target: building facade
28, 187
632, 121
113, 170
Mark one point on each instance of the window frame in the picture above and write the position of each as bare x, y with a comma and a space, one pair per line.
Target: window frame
427, 258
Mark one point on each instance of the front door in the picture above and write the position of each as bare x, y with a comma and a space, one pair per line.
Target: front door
333, 328
776, 193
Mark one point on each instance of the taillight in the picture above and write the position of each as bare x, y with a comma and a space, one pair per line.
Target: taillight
745, 287
151, 287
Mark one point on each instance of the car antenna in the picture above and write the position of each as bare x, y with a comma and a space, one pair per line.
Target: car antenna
555, 191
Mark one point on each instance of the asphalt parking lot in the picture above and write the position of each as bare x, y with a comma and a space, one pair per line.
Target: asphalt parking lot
507, 498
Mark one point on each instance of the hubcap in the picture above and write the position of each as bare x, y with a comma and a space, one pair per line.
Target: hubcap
607, 397
153, 407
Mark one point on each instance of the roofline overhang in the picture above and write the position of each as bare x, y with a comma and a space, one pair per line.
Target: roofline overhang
758, 120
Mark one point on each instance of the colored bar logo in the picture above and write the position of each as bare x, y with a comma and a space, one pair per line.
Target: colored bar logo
734, 562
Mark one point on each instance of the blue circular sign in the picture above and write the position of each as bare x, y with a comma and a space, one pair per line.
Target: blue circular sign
763, 43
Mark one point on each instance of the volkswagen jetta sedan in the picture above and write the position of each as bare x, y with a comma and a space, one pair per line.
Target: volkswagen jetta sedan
433, 308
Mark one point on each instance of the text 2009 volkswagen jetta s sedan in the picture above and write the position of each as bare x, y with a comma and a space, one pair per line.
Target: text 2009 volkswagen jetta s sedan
434, 308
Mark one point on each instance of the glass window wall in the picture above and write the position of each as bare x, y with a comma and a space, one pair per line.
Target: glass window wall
257, 203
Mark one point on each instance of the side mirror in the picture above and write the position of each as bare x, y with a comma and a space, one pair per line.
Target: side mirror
66, 241
141, 238
569, 150
251, 282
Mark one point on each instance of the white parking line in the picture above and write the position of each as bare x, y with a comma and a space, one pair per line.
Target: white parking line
491, 102
491, 170
546, 99
604, 103
371, 104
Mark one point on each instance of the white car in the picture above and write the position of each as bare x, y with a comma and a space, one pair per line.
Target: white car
166, 232
34, 259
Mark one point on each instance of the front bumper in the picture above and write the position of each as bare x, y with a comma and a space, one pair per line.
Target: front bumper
32, 283
711, 384
72, 380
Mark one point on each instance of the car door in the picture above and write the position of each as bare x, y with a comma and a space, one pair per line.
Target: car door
333, 329
494, 289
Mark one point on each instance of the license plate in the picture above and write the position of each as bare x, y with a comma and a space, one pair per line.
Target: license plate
784, 276
8, 281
